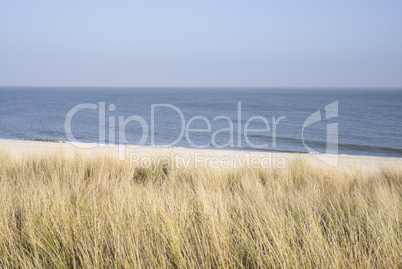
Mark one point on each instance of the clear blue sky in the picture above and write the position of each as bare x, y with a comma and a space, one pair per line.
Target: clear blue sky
201, 43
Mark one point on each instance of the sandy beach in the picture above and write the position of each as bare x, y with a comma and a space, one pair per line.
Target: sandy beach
214, 158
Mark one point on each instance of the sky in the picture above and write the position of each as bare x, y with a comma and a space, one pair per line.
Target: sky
255, 43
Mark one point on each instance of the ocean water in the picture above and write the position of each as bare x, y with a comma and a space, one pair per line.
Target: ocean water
366, 122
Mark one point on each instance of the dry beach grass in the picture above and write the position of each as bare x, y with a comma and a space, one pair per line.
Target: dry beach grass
95, 211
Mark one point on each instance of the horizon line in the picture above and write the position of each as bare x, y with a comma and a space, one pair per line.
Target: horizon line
211, 87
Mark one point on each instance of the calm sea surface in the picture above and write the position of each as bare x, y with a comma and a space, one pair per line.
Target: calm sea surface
369, 121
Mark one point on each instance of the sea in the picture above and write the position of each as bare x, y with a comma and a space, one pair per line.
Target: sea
343, 121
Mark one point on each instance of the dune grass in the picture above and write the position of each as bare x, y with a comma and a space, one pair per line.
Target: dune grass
74, 212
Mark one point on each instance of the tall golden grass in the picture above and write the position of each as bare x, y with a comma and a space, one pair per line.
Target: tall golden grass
73, 212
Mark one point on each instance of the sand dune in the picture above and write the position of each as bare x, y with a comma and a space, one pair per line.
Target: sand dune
214, 158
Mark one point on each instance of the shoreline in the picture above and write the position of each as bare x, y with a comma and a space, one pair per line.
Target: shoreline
347, 162
31, 139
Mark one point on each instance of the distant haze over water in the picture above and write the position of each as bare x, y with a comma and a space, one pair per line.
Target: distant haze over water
369, 120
